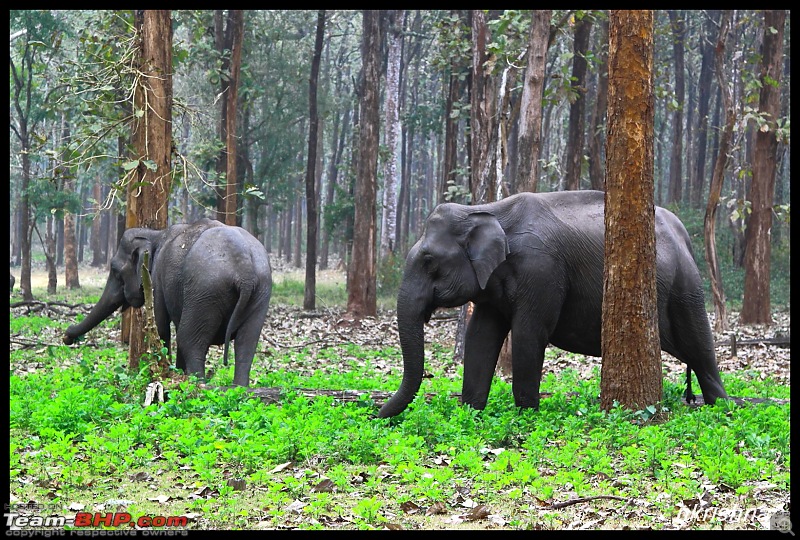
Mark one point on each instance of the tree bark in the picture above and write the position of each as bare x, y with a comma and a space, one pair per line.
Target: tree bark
236, 21
574, 151
392, 133
717, 178
310, 290
756, 303
361, 296
148, 192
529, 141
631, 365
703, 100
678, 25
482, 110
597, 175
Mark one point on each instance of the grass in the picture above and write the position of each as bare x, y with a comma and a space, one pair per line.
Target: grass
81, 439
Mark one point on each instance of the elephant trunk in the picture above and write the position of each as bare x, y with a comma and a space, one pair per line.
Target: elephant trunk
412, 312
111, 299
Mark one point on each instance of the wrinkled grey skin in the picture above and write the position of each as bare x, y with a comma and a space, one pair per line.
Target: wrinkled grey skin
533, 265
212, 280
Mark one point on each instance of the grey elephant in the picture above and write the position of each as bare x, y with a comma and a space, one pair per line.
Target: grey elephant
213, 281
13, 280
533, 265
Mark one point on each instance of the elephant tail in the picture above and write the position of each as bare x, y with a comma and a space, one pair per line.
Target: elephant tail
238, 315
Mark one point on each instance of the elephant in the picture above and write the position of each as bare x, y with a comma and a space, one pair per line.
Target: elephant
532, 264
13, 280
213, 281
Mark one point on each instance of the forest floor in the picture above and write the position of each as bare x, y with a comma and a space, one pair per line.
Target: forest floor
293, 327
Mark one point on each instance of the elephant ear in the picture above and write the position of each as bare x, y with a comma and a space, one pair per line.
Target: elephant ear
487, 246
141, 244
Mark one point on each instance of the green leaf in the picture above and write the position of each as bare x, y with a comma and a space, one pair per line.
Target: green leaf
150, 164
130, 165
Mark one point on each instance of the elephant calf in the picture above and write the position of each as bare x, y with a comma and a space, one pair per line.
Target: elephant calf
213, 281
533, 265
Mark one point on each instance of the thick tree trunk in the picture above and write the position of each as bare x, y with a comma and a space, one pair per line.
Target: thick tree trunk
756, 303
361, 297
631, 366
148, 193
704, 98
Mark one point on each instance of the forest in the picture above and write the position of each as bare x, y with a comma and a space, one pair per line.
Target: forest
331, 136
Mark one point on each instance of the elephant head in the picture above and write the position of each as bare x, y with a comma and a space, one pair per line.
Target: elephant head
448, 266
124, 284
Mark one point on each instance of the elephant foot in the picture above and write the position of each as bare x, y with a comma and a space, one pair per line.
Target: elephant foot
477, 404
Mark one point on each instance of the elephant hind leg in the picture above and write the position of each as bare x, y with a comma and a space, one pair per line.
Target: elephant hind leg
690, 341
486, 331
193, 339
245, 344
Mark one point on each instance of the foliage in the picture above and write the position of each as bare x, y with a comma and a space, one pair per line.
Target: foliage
77, 423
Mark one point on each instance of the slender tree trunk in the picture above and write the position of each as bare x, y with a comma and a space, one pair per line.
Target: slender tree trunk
310, 292
756, 303
574, 151
678, 25
236, 21
597, 175
361, 298
631, 366
718, 176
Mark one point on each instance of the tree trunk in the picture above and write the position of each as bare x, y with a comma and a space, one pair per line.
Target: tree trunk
236, 21
148, 192
717, 178
703, 98
756, 303
392, 133
631, 365
529, 142
361, 297
573, 157
310, 290
483, 175
597, 175
678, 25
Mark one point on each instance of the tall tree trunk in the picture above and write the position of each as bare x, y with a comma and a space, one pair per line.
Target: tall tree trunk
148, 193
361, 297
678, 25
236, 21
717, 178
483, 175
392, 133
573, 157
631, 365
71, 279
703, 98
310, 292
756, 303
597, 175
529, 142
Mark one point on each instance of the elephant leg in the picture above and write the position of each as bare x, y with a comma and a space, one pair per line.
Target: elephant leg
688, 338
486, 331
247, 337
193, 337
527, 358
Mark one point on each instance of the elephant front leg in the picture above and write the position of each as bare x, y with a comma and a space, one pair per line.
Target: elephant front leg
527, 359
486, 331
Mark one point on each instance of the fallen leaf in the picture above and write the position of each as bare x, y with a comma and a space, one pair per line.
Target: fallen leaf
436, 508
281, 467
159, 498
479, 512
325, 486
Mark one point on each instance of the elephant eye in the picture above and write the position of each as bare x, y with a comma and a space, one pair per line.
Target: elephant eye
429, 262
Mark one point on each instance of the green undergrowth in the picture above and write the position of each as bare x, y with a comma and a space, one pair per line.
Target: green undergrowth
80, 435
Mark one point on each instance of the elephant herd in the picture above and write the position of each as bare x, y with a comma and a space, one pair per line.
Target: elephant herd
532, 264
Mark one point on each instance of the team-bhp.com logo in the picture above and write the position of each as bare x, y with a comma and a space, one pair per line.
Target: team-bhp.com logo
94, 519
